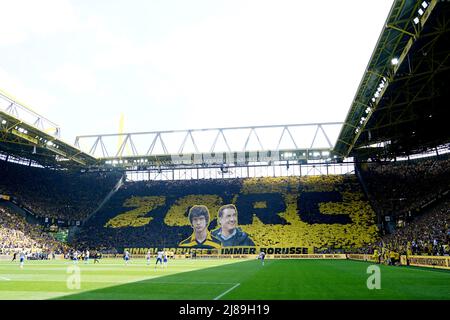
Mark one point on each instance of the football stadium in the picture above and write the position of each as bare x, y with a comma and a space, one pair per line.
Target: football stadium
352, 210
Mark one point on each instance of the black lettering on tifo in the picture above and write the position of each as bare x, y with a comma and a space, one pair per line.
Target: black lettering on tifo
274, 204
308, 208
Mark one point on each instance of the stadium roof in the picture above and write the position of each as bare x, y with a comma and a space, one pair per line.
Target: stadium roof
213, 146
400, 105
29, 138
26, 135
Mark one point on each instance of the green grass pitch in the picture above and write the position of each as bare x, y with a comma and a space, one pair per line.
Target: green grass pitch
219, 279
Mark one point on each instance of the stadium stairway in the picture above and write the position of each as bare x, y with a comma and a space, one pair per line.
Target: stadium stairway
366, 190
106, 199
361, 180
73, 231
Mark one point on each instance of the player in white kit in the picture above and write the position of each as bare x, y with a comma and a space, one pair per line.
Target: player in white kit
148, 257
261, 256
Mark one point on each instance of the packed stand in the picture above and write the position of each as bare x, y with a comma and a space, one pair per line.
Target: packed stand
400, 189
313, 211
56, 194
428, 234
16, 235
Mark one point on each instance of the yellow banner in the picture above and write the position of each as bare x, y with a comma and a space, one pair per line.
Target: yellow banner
427, 261
226, 251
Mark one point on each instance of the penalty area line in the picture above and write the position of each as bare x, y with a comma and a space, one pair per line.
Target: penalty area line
232, 288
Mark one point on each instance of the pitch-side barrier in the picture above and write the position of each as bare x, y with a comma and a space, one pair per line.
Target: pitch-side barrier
441, 262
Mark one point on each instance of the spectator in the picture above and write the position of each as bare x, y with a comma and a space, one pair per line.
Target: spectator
17, 235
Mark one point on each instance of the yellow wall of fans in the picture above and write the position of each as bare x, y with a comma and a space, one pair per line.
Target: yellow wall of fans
359, 232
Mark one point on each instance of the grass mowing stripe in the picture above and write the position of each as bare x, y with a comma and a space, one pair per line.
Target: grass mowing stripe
178, 282
330, 279
37, 277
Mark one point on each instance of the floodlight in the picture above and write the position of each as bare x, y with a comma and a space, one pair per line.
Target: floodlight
424, 4
420, 11
416, 20
394, 61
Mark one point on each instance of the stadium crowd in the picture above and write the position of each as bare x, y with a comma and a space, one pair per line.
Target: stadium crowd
329, 213
124, 220
427, 234
402, 188
16, 235
56, 194
282, 211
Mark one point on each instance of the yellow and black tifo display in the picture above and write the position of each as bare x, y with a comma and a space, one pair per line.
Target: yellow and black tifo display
306, 212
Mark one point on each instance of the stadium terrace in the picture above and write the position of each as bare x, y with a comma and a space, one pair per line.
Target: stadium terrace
260, 213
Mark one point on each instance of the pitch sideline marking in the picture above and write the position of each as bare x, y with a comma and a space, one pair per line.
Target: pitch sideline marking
176, 282
6, 279
232, 288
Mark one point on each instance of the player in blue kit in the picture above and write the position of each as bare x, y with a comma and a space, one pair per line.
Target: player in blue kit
165, 260
261, 256
75, 257
22, 259
159, 258
126, 257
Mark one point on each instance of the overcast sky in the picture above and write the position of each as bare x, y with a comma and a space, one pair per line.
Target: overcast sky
179, 64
